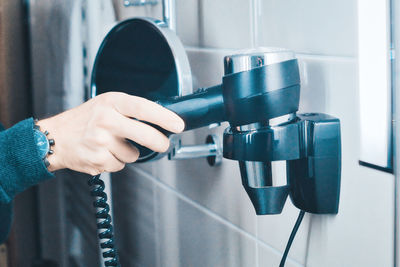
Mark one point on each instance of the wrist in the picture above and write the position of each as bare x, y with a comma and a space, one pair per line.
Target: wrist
55, 158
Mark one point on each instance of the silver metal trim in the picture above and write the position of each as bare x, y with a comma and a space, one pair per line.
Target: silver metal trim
193, 151
211, 149
271, 122
169, 17
244, 60
128, 3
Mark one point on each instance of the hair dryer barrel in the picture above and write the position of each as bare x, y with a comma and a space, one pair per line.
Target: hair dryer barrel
251, 94
202, 108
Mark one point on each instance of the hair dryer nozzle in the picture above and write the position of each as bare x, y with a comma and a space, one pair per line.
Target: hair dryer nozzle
257, 181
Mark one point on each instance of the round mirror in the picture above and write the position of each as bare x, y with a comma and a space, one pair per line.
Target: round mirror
142, 57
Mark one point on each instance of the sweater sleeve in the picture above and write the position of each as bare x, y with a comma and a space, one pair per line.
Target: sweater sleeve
20, 164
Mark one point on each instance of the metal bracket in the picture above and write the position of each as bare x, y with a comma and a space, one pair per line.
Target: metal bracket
140, 2
212, 150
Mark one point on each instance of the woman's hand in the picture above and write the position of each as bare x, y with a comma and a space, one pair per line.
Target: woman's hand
92, 138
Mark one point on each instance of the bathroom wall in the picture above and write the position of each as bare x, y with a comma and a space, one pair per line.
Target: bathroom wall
186, 213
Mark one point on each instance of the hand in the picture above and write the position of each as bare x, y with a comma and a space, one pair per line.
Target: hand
92, 138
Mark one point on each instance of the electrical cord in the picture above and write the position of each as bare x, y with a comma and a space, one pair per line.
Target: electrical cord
103, 217
104, 223
292, 236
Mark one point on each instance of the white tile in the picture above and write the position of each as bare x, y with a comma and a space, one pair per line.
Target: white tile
146, 166
269, 257
218, 24
309, 26
217, 188
362, 233
207, 65
206, 23
191, 237
134, 218
275, 231
188, 21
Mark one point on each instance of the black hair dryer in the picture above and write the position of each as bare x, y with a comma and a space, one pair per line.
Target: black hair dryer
253, 93
259, 97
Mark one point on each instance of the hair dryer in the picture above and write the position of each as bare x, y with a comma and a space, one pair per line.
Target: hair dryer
249, 98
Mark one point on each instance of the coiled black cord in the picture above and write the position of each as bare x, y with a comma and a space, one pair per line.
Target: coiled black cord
103, 217
291, 238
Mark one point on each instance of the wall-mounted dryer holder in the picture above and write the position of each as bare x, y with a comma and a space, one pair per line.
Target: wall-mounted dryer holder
259, 97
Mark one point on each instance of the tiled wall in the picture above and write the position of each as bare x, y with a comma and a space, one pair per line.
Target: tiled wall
186, 213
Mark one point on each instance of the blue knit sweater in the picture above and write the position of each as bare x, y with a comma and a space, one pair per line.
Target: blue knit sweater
20, 168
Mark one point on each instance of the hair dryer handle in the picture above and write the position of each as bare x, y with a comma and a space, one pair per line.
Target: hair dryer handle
202, 108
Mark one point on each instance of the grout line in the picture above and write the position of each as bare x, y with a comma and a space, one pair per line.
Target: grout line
252, 23
156, 225
257, 248
211, 213
299, 53
305, 54
210, 49
139, 170
255, 5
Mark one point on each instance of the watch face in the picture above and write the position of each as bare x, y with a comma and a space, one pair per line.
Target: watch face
42, 143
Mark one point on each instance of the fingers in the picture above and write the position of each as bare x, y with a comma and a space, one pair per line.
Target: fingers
123, 150
142, 134
112, 164
146, 110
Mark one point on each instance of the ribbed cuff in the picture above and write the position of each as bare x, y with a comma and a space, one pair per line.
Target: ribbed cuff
20, 164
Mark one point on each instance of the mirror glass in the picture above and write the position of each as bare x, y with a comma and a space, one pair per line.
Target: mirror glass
136, 58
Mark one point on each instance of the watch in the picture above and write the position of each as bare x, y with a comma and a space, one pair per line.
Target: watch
43, 143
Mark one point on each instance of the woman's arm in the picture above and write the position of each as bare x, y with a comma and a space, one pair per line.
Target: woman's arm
20, 164
20, 168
